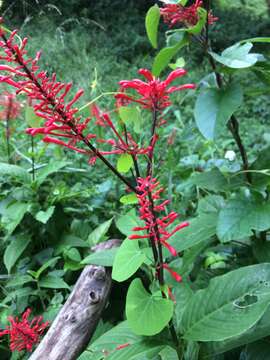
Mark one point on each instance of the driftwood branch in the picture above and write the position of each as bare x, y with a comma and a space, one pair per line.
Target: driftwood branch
76, 322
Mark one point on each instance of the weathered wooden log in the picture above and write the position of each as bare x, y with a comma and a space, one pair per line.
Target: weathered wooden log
76, 322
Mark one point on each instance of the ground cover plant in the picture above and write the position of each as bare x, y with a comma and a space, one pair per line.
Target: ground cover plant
172, 161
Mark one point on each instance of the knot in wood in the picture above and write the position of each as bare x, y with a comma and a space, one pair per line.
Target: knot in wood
94, 297
97, 273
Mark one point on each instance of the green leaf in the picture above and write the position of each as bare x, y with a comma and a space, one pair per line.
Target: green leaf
53, 282
131, 115
127, 260
165, 55
240, 216
16, 172
197, 29
103, 258
98, 234
210, 204
229, 313
69, 241
13, 215
19, 280
256, 39
258, 350
14, 250
199, 230
214, 107
127, 222
32, 120
151, 24
129, 199
44, 216
147, 314
124, 163
49, 169
45, 266
261, 163
212, 180
237, 56
73, 254
138, 351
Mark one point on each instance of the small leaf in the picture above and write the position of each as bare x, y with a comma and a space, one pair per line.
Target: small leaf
32, 120
45, 266
99, 232
53, 282
102, 258
124, 163
131, 115
147, 314
44, 216
14, 250
129, 199
151, 24
127, 260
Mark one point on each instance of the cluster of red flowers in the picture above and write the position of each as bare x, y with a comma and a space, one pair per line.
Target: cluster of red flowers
154, 93
156, 227
24, 334
9, 107
175, 14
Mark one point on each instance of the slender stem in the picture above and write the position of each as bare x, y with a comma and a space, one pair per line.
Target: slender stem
9, 107
69, 122
33, 158
176, 340
151, 152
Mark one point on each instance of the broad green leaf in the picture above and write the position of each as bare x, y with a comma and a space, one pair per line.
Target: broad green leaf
197, 29
138, 351
147, 314
151, 24
73, 254
97, 235
210, 204
240, 216
103, 258
129, 199
19, 293
237, 56
168, 353
14, 250
127, 260
183, 294
15, 172
165, 55
32, 120
13, 215
68, 241
214, 107
44, 216
53, 282
19, 280
212, 180
260, 330
199, 230
124, 163
229, 313
49, 169
45, 266
127, 222
131, 115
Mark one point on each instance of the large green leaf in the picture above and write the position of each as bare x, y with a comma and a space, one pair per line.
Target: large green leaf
127, 222
214, 107
138, 351
49, 169
103, 258
229, 306
151, 24
127, 260
53, 282
68, 241
147, 314
15, 172
97, 235
260, 330
199, 230
14, 250
212, 180
237, 56
240, 216
13, 215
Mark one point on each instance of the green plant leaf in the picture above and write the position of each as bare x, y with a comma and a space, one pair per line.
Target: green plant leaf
46, 265
103, 258
214, 107
197, 29
129, 199
212, 180
140, 350
53, 282
165, 55
14, 250
13, 215
127, 260
237, 56
32, 120
68, 241
49, 169
151, 24
131, 115
229, 313
147, 314
19, 281
16, 172
124, 163
240, 216
98, 234
256, 39
44, 216
127, 222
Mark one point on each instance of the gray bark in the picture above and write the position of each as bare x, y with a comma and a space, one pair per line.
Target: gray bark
76, 322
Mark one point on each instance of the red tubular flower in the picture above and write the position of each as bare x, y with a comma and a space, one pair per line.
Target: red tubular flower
10, 108
156, 227
154, 93
24, 334
175, 14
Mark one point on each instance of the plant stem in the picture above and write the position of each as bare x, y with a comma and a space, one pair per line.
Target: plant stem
33, 158
9, 106
151, 152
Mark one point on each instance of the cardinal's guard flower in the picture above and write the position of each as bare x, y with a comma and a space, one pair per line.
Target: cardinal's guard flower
24, 334
153, 93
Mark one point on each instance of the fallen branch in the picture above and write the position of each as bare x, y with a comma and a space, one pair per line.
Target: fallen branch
76, 322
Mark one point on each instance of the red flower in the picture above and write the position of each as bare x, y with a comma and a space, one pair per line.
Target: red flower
155, 227
10, 107
174, 14
154, 93
24, 334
